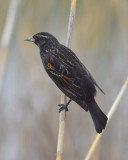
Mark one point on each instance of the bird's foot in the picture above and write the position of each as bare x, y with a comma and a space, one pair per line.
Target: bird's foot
64, 106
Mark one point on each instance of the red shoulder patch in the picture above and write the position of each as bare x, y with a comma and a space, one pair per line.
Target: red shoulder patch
49, 65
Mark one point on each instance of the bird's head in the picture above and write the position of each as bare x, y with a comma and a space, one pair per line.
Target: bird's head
43, 39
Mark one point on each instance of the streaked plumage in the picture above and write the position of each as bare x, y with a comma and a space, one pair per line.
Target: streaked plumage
70, 75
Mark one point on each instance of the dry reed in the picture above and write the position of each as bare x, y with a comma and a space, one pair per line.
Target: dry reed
63, 97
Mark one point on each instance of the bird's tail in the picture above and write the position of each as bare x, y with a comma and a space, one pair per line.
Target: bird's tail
99, 118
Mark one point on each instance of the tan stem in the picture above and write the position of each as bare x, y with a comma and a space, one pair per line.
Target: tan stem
110, 114
6, 35
63, 97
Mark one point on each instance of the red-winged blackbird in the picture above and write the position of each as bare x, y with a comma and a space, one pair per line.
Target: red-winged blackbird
70, 75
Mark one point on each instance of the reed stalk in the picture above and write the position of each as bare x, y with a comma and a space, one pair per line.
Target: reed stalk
63, 97
109, 115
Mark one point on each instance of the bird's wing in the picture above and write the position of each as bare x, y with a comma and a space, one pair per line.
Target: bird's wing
73, 58
90, 77
60, 69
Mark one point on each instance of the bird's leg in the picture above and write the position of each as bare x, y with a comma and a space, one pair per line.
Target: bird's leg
64, 106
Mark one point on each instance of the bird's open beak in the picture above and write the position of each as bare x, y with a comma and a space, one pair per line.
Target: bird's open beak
31, 39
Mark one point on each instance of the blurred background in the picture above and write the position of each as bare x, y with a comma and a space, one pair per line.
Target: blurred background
28, 98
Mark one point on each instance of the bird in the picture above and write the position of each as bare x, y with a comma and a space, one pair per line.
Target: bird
70, 76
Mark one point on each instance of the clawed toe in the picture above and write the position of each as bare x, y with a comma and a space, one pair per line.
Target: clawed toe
59, 105
62, 107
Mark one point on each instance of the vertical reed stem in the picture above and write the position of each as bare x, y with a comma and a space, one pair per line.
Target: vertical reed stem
63, 97
6, 36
